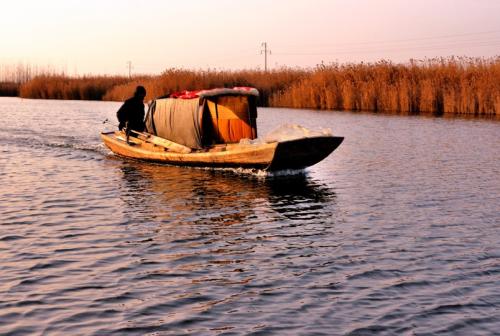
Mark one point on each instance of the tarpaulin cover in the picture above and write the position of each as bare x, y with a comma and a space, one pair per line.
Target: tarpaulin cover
177, 120
205, 117
233, 118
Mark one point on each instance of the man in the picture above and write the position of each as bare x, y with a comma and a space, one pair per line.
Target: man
131, 113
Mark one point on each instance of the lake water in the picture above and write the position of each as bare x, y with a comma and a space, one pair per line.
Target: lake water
397, 232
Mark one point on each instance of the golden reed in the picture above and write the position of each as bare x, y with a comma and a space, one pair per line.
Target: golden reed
174, 80
440, 86
64, 87
9, 89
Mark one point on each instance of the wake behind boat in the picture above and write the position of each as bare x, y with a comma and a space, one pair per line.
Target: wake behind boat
216, 128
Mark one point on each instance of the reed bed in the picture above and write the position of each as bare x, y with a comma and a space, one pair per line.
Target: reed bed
440, 86
9, 89
63, 87
174, 80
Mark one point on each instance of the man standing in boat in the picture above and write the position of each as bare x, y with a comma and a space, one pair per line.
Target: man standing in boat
131, 113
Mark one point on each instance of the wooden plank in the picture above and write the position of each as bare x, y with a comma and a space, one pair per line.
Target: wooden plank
170, 145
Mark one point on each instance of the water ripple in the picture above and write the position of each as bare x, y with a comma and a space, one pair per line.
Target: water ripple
386, 236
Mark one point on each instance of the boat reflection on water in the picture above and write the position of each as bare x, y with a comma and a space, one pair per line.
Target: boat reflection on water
302, 194
199, 218
219, 235
177, 195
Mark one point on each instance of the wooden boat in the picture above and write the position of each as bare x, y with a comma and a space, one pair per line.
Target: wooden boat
274, 156
218, 120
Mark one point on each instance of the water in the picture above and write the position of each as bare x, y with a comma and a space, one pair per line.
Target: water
395, 233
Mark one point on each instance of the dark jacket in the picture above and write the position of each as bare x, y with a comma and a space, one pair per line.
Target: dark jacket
132, 111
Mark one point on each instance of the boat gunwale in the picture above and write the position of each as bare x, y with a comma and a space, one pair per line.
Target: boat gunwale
260, 156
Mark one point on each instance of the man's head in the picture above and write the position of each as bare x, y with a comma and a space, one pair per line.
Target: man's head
140, 92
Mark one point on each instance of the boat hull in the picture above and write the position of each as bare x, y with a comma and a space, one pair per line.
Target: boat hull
293, 154
303, 153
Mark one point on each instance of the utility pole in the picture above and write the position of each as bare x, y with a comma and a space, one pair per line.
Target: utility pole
129, 64
266, 52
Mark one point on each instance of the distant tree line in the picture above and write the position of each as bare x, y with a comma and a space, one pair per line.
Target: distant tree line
12, 76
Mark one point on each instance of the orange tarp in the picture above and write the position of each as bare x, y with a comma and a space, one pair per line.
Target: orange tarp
232, 118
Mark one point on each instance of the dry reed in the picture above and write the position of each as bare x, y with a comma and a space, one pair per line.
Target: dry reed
9, 89
440, 86
62, 87
174, 80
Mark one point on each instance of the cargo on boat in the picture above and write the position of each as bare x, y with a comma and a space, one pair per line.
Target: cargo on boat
215, 128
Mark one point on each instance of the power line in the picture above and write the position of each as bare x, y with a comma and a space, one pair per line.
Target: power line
438, 37
395, 47
448, 36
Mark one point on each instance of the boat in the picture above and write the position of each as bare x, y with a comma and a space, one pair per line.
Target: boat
216, 128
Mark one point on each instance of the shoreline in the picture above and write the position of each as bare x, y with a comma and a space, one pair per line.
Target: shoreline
457, 86
458, 116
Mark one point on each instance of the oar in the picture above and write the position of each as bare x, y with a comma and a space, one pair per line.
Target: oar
173, 146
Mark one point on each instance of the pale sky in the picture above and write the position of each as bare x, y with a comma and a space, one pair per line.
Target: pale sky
100, 36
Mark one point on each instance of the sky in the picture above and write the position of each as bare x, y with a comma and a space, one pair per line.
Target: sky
102, 36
